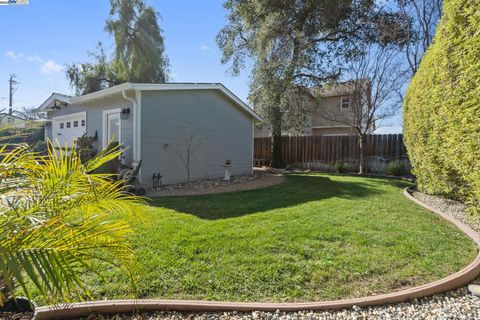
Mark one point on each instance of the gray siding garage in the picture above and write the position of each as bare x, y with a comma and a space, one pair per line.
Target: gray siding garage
214, 127
163, 125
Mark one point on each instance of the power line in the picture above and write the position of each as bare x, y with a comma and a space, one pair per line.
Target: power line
37, 85
38, 88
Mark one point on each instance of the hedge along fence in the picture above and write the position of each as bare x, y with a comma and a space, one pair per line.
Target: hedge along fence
442, 108
322, 152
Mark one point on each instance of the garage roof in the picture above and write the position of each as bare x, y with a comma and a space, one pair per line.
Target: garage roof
165, 86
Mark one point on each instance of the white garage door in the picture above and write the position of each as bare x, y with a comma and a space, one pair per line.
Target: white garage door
66, 129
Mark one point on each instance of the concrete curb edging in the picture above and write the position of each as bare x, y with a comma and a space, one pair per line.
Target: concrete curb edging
451, 282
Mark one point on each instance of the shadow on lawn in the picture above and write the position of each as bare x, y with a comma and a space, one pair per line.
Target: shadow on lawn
297, 189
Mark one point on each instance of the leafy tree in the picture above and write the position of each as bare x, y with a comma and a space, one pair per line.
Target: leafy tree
296, 44
139, 46
57, 218
442, 108
91, 76
139, 54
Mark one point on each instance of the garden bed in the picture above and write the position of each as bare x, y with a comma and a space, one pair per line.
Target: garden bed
257, 180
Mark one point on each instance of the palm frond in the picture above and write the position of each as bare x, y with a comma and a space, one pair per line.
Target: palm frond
57, 217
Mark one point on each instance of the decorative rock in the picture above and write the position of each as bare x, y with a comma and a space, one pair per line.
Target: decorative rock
475, 289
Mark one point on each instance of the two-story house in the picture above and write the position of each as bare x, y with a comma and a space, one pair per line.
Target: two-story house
332, 113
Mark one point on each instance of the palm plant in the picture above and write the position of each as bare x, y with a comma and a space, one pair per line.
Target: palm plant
57, 219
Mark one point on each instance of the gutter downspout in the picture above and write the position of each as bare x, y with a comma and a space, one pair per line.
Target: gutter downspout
136, 151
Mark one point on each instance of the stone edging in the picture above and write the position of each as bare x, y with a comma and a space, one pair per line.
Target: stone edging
451, 282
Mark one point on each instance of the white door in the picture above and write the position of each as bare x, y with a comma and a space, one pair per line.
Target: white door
66, 129
111, 126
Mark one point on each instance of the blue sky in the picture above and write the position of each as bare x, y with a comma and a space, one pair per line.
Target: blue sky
38, 39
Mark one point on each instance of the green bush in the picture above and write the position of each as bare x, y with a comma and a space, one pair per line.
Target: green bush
442, 108
339, 167
396, 169
85, 147
113, 166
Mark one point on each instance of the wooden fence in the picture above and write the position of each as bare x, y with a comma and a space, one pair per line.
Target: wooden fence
321, 152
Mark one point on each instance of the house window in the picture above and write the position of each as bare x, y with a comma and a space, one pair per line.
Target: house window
345, 102
83, 123
68, 124
75, 124
61, 125
10, 120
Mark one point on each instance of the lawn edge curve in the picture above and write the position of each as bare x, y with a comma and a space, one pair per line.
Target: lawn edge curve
453, 281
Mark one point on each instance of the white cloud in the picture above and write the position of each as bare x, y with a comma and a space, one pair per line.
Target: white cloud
12, 55
20, 56
34, 58
204, 47
50, 67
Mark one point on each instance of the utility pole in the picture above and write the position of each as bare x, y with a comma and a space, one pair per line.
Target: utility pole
13, 82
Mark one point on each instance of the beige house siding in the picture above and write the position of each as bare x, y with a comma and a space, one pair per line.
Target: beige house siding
330, 108
320, 122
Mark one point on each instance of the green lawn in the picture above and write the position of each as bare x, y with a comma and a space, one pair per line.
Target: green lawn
314, 237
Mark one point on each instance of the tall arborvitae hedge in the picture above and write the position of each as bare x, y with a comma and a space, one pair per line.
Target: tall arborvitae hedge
442, 107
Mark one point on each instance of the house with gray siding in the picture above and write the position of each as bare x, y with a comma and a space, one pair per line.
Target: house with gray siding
158, 124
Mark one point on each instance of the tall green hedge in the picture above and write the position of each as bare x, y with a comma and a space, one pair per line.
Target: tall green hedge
442, 107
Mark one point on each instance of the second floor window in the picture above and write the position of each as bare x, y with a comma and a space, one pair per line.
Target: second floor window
345, 102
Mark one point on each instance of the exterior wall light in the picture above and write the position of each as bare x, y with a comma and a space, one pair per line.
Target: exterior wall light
124, 113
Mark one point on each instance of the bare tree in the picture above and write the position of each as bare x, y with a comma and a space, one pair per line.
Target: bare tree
190, 144
423, 16
377, 79
28, 113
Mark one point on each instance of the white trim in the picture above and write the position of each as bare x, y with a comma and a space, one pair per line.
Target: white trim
167, 86
53, 97
253, 143
341, 103
138, 120
105, 124
71, 115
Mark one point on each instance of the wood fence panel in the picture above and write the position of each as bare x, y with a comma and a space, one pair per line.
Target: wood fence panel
331, 149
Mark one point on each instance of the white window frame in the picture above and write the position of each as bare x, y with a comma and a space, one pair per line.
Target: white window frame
341, 102
105, 113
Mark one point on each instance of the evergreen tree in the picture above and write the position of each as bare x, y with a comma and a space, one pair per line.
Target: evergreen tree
139, 54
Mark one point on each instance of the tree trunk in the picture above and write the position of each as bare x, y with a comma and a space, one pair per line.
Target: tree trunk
362, 143
277, 161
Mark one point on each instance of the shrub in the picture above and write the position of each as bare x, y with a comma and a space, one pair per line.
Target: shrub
396, 169
442, 107
339, 167
293, 166
85, 147
40, 147
114, 166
